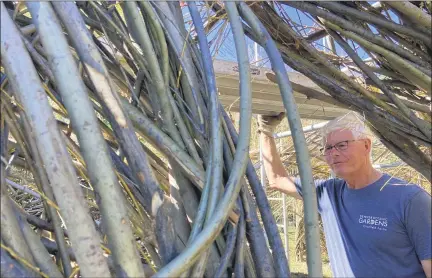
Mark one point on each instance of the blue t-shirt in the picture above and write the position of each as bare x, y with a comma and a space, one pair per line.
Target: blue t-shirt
382, 230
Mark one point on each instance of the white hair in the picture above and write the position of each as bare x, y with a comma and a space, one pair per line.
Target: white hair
352, 121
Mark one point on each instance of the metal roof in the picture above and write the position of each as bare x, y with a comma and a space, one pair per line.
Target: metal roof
266, 98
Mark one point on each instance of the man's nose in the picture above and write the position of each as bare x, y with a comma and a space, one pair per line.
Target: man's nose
333, 152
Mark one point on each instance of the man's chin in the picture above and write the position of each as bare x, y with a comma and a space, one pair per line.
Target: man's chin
340, 171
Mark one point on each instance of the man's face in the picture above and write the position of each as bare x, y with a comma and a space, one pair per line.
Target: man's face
348, 155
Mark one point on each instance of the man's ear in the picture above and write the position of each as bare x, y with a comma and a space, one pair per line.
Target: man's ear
368, 144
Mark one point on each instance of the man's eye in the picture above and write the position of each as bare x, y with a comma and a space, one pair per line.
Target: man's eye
328, 148
341, 145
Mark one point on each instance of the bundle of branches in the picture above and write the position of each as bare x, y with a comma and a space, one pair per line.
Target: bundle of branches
114, 106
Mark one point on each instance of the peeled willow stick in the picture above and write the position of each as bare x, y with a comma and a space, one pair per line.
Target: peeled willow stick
28, 146
139, 30
25, 82
47, 189
415, 14
302, 153
92, 144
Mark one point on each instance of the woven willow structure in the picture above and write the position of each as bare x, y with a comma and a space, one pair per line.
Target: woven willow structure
117, 158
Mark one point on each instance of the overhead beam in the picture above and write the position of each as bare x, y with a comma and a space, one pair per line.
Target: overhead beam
312, 101
306, 129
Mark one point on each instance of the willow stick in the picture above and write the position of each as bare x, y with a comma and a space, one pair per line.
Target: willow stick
415, 14
214, 168
92, 143
302, 153
40, 254
239, 269
52, 212
228, 252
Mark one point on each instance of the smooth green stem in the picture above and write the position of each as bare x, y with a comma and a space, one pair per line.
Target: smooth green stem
141, 62
202, 208
215, 167
184, 132
302, 153
146, 7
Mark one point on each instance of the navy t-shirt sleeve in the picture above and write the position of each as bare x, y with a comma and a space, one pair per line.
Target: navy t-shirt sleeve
418, 224
319, 183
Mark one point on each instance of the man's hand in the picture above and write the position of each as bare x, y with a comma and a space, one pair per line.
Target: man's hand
267, 124
276, 174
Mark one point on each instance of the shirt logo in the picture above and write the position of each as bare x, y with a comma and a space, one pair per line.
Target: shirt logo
373, 222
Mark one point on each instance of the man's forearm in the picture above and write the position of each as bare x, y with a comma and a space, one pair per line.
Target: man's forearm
275, 171
427, 267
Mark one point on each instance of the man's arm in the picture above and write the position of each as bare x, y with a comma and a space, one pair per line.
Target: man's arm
418, 222
427, 267
275, 171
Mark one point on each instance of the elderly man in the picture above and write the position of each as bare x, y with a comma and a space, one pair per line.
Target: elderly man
375, 225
